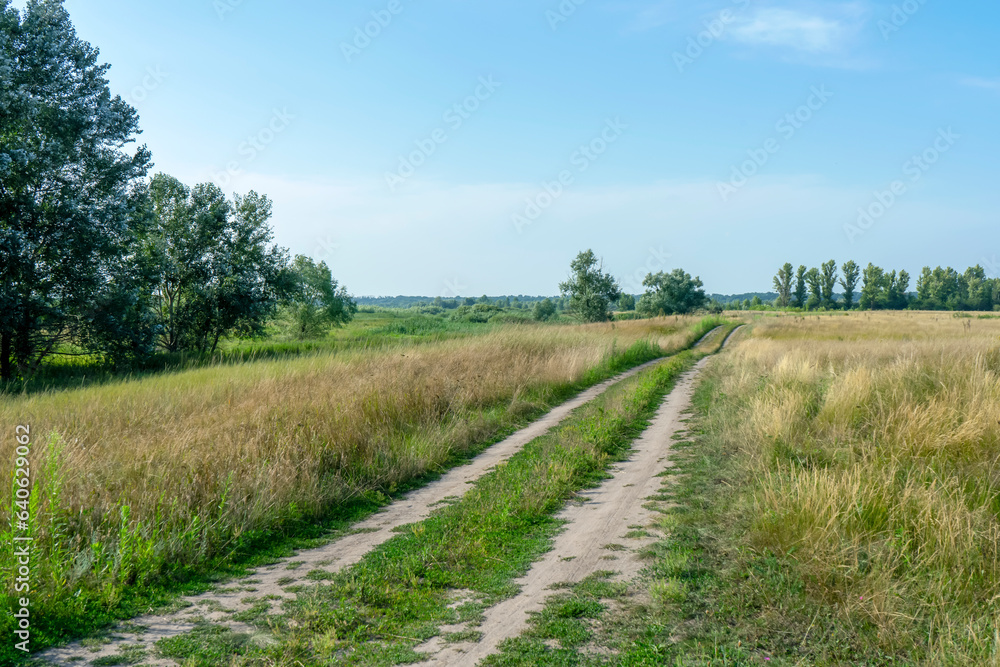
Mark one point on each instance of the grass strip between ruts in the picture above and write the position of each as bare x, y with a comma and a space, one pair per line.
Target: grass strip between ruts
470, 552
309, 532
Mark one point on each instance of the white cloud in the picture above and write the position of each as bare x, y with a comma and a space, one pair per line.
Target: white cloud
980, 82
808, 32
654, 15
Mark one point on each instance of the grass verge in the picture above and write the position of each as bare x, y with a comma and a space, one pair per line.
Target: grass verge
447, 569
836, 505
132, 558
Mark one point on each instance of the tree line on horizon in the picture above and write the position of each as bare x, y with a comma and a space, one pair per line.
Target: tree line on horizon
874, 288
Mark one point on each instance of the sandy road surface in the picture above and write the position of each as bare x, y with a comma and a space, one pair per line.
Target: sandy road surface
600, 521
219, 605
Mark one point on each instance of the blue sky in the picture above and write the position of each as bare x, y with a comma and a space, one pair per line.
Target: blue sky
724, 137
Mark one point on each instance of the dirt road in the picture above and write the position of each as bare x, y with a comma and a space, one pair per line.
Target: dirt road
595, 537
218, 606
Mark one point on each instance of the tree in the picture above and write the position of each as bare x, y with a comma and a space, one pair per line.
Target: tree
783, 285
873, 289
800, 287
591, 291
828, 281
626, 303
544, 310
318, 302
671, 293
814, 280
70, 194
898, 288
940, 289
849, 282
219, 273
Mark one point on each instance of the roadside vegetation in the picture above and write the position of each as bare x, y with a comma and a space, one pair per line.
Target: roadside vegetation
437, 576
835, 505
140, 483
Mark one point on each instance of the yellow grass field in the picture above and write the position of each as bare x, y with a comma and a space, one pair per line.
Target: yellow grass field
873, 440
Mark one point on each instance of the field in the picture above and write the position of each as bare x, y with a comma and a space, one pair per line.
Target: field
834, 502
150, 482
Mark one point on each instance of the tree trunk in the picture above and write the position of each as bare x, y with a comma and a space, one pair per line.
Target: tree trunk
5, 349
22, 342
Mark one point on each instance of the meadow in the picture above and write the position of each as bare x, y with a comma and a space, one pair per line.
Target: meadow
144, 482
837, 503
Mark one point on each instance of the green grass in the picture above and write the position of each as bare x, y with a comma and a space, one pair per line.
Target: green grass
62, 622
704, 599
369, 330
377, 612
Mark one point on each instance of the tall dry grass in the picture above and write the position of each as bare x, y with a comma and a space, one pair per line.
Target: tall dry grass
138, 477
875, 443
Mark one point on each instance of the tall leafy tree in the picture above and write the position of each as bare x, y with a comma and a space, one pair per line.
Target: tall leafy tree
814, 280
671, 293
800, 287
70, 193
219, 273
783, 285
318, 301
873, 295
849, 282
828, 281
591, 291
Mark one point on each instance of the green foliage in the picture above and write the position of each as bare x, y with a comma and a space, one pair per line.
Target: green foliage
828, 281
218, 272
881, 290
671, 293
947, 289
318, 302
71, 197
591, 291
626, 303
937, 289
849, 282
481, 313
783, 284
800, 287
814, 281
544, 310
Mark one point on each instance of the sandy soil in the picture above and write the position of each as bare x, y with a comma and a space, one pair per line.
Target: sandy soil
595, 536
219, 605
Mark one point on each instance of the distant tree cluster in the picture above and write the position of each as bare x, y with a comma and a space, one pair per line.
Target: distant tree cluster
874, 288
671, 293
593, 292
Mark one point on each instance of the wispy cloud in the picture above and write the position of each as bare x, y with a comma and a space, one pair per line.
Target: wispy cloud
810, 32
654, 15
980, 82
